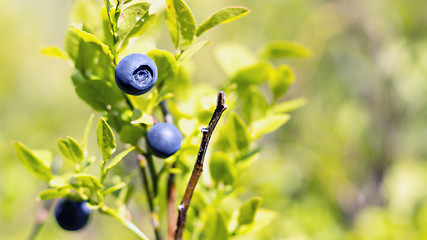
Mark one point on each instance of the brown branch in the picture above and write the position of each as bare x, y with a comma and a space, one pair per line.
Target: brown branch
198, 166
172, 214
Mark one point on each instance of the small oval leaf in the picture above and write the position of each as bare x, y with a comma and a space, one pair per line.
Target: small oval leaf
215, 227
255, 74
277, 50
71, 149
222, 16
54, 51
166, 64
268, 124
86, 180
133, 21
106, 141
280, 80
181, 23
248, 211
88, 37
221, 168
116, 159
238, 132
32, 162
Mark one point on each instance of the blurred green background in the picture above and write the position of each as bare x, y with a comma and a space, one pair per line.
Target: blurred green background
351, 164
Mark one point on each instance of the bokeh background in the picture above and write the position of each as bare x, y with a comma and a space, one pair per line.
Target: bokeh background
351, 164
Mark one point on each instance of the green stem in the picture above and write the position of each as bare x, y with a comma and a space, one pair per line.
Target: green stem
154, 217
103, 172
40, 219
153, 172
126, 223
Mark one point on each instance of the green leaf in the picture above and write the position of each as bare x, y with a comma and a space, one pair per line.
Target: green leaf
288, 106
44, 155
86, 164
113, 188
116, 159
90, 38
72, 44
233, 56
54, 51
133, 21
106, 141
86, 180
131, 134
238, 132
139, 117
248, 156
106, 27
254, 104
248, 210
87, 13
224, 15
54, 193
255, 74
181, 23
221, 168
166, 66
32, 162
163, 95
85, 137
194, 48
267, 124
215, 227
108, 5
60, 181
277, 50
99, 94
280, 80
71, 149
262, 219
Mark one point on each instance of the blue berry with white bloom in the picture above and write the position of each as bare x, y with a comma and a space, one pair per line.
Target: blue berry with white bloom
164, 139
136, 74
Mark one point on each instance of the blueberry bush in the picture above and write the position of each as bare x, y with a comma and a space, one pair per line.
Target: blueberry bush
151, 113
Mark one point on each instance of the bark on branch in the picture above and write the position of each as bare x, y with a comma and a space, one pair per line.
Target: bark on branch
198, 167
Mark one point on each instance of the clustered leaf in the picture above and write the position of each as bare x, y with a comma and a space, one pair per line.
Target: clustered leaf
255, 86
133, 21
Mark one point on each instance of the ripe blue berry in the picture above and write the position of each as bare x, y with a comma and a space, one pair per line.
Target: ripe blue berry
164, 139
136, 74
71, 215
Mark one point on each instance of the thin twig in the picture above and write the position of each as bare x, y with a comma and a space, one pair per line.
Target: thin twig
126, 223
166, 114
154, 218
198, 166
40, 219
172, 214
143, 161
171, 190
